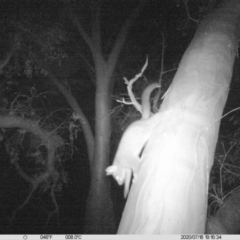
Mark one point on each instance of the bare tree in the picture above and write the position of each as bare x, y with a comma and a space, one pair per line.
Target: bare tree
99, 212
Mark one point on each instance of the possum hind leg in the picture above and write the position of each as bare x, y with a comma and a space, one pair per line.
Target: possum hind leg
127, 180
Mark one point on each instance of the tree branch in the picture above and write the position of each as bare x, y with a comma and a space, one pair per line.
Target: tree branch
129, 84
79, 113
96, 27
9, 55
121, 37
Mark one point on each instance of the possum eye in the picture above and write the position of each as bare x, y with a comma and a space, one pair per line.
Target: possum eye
120, 177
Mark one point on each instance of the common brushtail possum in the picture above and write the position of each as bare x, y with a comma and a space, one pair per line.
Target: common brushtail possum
134, 139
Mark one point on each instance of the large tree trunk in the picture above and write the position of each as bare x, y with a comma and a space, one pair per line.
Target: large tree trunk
99, 211
170, 194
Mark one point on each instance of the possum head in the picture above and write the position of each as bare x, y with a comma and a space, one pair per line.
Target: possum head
117, 172
121, 175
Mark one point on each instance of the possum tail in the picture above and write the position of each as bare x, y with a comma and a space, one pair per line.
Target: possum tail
146, 106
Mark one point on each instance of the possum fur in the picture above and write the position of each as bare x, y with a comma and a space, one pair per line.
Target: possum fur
134, 139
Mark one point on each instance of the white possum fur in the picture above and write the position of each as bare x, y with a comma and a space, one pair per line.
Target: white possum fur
134, 139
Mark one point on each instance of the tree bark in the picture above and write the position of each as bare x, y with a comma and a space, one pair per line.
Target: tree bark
170, 194
99, 211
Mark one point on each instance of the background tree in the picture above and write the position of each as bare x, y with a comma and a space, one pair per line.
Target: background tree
99, 211
31, 145
40, 52
31, 139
